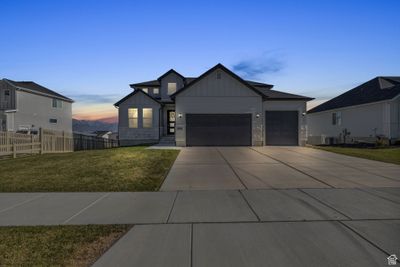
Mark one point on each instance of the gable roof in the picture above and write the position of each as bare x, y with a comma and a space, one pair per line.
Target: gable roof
134, 93
33, 87
169, 72
378, 89
222, 67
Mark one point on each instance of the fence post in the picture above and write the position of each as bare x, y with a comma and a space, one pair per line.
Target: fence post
14, 150
32, 144
41, 140
8, 142
63, 137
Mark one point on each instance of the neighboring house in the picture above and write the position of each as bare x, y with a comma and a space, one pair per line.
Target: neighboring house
367, 111
216, 109
26, 106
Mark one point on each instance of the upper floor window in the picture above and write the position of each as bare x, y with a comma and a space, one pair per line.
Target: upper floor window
146, 90
6, 94
132, 117
171, 88
53, 121
156, 91
147, 117
57, 103
337, 118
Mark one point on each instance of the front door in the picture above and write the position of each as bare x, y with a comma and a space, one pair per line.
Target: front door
171, 122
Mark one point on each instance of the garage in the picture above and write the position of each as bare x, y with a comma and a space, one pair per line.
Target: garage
282, 128
218, 129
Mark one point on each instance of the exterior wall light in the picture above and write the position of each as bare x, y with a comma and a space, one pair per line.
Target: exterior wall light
179, 115
258, 115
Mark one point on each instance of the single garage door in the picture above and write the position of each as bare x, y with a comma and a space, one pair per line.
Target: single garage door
281, 128
218, 129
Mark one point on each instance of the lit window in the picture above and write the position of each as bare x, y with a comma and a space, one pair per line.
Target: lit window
147, 117
156, 91
133, 117
57, 103
171, 88
53, 121
146, 90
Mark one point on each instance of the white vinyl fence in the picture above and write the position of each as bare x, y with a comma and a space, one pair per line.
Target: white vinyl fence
47, 141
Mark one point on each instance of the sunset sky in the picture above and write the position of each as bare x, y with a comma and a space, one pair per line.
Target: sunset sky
92, 50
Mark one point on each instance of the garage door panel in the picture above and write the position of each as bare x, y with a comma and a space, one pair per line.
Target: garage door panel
281, 127
218, 129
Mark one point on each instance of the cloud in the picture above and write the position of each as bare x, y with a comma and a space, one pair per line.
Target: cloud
95, 99
254, 68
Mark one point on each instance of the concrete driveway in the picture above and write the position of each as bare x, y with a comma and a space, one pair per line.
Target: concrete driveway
227, 168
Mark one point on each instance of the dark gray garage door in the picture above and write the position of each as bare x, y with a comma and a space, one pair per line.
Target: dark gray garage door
281, 128
218, 129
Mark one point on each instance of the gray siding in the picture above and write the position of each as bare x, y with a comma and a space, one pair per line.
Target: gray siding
170, 78
133, 136
363, 122
218, 96
36, 110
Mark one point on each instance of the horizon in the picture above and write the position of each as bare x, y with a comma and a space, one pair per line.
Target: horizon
91, 51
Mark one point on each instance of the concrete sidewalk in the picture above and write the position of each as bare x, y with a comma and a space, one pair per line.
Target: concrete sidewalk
199, 206
301, 227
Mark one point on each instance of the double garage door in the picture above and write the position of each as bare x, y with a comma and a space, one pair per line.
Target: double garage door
281, 128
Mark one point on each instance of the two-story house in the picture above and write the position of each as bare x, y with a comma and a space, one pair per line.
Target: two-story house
29, 106
218, 108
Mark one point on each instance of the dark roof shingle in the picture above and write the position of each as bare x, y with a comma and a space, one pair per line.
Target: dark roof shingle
377, 89
32, 86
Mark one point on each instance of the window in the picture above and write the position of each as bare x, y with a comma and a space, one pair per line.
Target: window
147, 117
218, 75
53, 121
146, 90
171, 88
7, 95
337, 118
57, 103
133, 117
156, 91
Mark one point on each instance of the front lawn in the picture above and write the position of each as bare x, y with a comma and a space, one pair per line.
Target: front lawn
56, 245
118, 169
390, 155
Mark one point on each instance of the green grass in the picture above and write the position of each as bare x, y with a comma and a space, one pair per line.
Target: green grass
56, 245
119, 169
390, 155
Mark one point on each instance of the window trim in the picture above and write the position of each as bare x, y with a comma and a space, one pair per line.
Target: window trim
150, 119
133, 121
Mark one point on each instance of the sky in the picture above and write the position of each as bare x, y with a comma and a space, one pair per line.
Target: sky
91, 50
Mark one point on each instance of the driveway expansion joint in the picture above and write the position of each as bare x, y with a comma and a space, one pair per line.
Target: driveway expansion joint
294, 168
